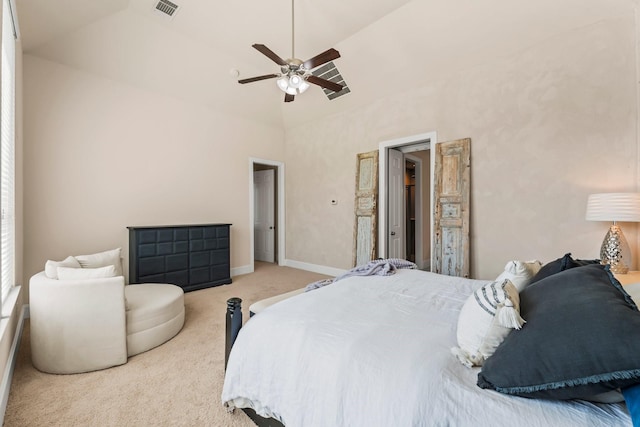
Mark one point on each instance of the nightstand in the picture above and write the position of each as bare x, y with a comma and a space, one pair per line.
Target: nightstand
629, 278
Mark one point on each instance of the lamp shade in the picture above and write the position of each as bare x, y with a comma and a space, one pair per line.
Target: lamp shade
623, 207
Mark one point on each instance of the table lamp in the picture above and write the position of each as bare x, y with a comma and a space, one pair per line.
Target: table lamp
623, 207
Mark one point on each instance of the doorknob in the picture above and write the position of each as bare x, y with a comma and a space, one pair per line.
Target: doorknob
270, 228
393, 233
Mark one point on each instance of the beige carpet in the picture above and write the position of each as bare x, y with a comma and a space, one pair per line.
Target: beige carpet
176, 384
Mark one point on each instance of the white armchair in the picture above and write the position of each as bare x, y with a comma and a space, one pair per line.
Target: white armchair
86, 325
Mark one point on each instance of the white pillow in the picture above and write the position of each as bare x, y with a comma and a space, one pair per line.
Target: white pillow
66, 273
102, 259
485, 320
520, 273
51, 267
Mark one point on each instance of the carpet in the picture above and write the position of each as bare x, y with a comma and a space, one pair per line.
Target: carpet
176, 384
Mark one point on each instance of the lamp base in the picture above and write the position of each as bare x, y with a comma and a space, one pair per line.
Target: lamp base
615, 251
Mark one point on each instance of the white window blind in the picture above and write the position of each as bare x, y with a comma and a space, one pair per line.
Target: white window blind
7, 152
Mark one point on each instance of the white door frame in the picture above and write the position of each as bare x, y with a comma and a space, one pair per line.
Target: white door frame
432, 139
280, 228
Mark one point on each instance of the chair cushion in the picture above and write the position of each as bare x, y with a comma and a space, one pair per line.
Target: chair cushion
155, 314
51, 267
102, 259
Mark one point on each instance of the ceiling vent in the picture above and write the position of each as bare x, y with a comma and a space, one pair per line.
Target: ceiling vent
329, 72
166, 9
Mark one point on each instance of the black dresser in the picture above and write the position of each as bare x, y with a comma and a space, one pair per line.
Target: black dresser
190, 256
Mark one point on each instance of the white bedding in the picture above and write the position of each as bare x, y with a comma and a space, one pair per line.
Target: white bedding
375, 351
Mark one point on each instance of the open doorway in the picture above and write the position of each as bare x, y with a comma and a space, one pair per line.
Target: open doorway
417, 200
266, 211
405, 193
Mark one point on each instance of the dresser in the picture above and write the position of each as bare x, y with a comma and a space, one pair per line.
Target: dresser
190, 256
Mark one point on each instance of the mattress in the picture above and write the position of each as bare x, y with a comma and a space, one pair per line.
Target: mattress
375, 351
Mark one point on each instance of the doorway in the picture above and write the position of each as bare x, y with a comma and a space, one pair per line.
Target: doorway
266, 211
264, 214
413, 206
405, 195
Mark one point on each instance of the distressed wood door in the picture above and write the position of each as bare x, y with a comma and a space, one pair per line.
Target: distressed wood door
366, 200
451, 208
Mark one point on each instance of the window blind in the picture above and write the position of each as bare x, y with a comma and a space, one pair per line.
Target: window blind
7, 152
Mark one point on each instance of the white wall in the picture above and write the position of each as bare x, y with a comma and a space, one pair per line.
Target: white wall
549, 125
102, 155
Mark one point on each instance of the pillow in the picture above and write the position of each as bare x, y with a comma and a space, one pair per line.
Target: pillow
51, 267
485, 320
582, 338
102, 259
519, 272
561, 264
66, 273
632, 399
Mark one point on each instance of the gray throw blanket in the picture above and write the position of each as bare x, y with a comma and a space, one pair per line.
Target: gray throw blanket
377, 267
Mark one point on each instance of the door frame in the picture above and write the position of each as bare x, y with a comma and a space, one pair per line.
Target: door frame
280, 227
383, 147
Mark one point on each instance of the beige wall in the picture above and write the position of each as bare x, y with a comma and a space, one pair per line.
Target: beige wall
102, 155
549, 125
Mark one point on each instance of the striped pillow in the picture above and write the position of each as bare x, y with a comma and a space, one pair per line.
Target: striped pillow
485, 320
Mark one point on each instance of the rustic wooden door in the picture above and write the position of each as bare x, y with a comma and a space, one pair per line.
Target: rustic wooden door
451, 208
366, 224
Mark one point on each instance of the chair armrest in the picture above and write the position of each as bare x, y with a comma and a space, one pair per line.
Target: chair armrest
77, 325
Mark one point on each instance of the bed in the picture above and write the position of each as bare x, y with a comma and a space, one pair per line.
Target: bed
377, 351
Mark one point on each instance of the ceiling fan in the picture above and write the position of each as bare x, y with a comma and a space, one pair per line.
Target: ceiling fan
295, 75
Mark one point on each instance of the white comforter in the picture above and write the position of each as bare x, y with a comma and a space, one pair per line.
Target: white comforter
375, 351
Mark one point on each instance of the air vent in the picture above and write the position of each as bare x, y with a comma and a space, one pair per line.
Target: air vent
166, 8
329, 72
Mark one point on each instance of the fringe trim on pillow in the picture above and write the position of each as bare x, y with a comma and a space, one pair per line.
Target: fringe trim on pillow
508, 316
633, 374
467, 359
619, 287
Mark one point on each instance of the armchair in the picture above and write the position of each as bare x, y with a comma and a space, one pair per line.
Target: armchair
86, 325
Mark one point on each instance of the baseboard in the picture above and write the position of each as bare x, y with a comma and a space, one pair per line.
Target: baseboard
329, 271
5, 386
245, 269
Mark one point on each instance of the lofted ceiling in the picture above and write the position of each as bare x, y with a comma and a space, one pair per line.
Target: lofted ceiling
382, 43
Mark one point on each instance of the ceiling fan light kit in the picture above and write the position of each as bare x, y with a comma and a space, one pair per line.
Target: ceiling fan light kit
295, 75
293, 85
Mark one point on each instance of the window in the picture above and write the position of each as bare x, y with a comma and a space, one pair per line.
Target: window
7, 151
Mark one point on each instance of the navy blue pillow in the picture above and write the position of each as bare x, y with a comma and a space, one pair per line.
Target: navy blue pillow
582, 338
563, 263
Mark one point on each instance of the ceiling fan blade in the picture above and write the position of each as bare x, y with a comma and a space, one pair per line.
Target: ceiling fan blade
325, 83
323, 58
288, 97
258, 78
269, 53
